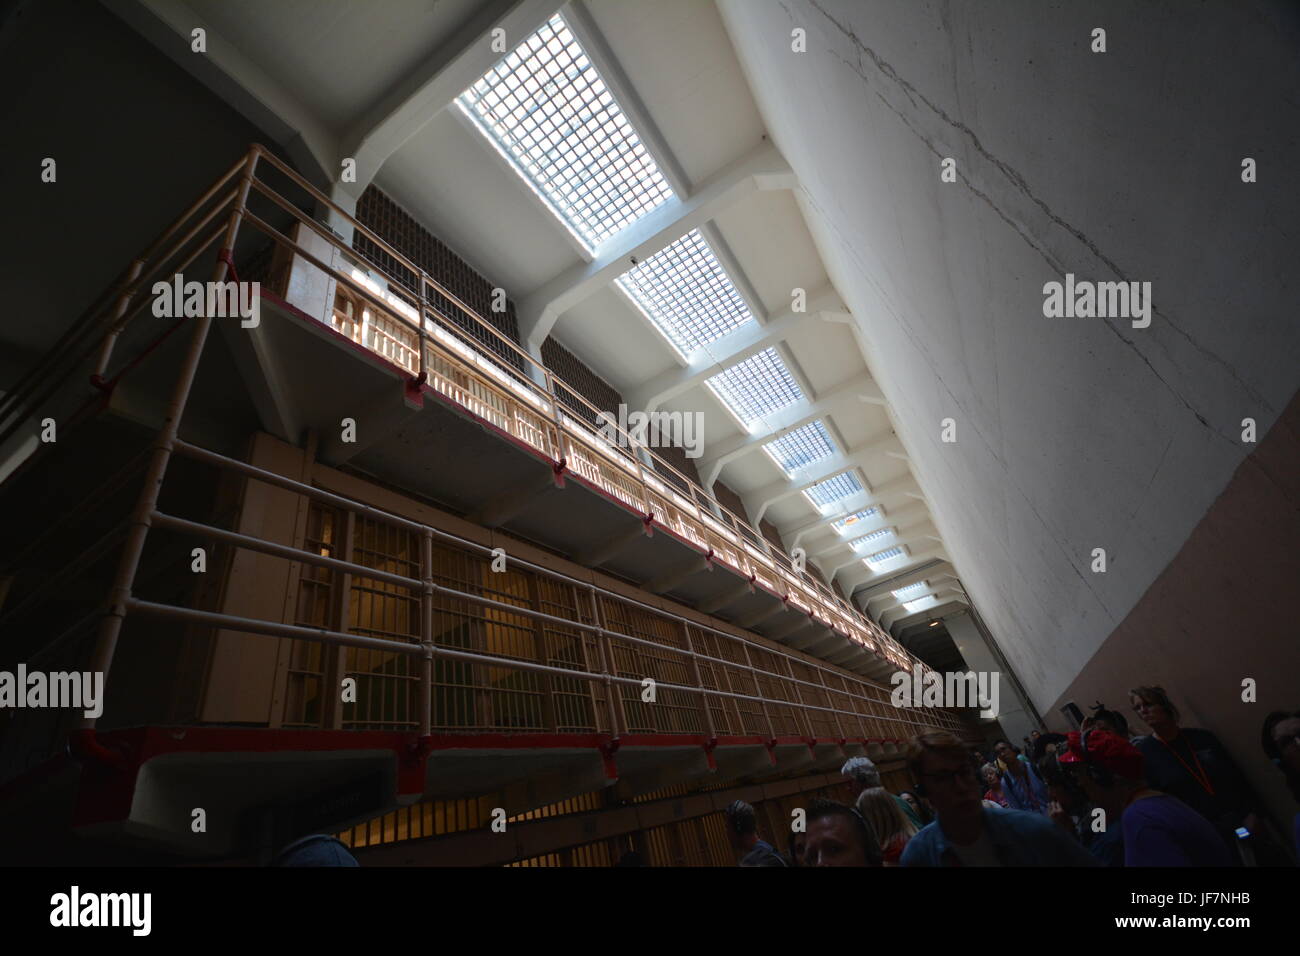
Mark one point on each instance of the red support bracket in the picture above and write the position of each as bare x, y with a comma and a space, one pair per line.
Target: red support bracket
607, 751
411, 764
770, 745
413, 390
84, 744
558, 469
225, 256
711, 745
648, 521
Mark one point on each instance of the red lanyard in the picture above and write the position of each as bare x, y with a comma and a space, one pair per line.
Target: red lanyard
1199, 774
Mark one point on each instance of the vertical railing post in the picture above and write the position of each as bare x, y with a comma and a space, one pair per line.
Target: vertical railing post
426, 633
110, 628
616, 727
758, 691
123, 304
699, 680
336, 657
835, 712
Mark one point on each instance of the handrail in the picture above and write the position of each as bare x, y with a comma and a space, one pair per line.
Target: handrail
660, 491
425, 647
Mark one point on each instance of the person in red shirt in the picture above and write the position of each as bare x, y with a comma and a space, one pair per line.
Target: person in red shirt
993, 779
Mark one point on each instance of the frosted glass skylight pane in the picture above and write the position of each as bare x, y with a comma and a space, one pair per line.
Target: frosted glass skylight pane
801, 447
756, 386
911, 591
833, 489
844, 525
868, 539
881, 557
920, 604
549, 112
686, 293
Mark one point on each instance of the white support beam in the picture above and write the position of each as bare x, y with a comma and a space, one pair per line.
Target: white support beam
854, 582
860, 388
411, 103
941, 582
902, 536
899, 614
736, 346
759, 501
755, 171
895, 518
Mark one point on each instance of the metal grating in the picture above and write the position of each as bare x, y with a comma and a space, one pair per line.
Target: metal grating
756, 386
842, 525
794, 450
547, 110
686, 293
833, 489
880, 557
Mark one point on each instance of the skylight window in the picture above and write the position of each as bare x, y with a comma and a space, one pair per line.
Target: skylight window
756, 386
548, 111
920, 604
833, 489
686, 293
801, 447
843, 525
868, 539
883, 557
910, 592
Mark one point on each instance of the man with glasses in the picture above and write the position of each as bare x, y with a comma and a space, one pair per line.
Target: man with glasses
1280, 737
968, 833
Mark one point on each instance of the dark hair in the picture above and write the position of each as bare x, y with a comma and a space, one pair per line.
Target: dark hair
1112, 717
1054, 775
922, 810
741, 818
819, 809
1270, 748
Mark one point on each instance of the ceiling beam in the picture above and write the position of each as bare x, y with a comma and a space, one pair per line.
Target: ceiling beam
414, 100
761, 168
894, 618
860, 388
818, 471
894, 518
854, 582
736, 346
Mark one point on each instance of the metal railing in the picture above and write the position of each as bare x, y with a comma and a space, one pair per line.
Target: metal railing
537, 409
541, 410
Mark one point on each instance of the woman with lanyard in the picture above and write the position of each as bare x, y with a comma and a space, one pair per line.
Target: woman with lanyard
1193, 766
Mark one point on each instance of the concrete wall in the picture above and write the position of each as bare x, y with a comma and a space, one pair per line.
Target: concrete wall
1219, 615
1072, 434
